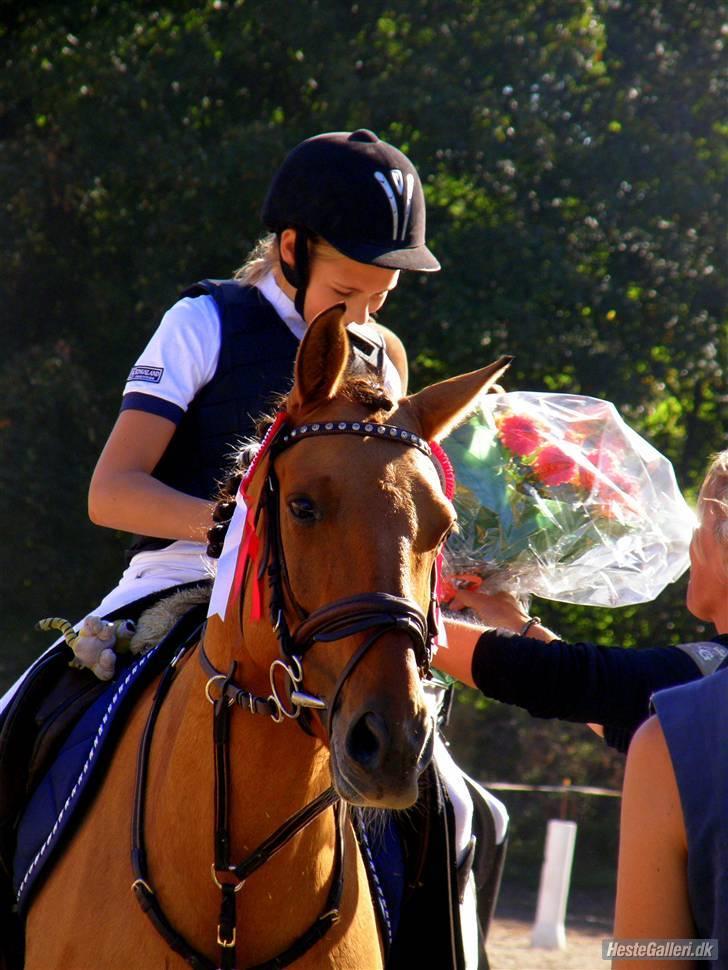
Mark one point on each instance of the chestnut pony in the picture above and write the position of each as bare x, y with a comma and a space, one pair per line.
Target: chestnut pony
359, 522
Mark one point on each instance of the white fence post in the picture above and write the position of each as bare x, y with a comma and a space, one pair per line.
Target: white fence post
548, 930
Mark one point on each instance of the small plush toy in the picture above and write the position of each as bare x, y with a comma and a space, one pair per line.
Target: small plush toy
96, 643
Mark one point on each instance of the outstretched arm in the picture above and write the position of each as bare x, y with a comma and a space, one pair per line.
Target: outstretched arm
581, 682
495, 610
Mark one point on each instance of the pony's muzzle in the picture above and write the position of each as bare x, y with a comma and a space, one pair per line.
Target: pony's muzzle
382, 760
369, 744
368, 741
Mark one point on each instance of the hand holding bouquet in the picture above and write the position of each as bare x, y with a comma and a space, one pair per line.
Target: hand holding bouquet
558, 497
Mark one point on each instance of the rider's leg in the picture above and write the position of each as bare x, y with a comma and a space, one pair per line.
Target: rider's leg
147, 573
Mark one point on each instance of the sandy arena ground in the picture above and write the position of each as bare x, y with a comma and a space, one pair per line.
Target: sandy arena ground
509, 948
588, 922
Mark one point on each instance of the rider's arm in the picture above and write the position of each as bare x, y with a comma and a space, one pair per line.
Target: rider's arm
124, 494
179, 360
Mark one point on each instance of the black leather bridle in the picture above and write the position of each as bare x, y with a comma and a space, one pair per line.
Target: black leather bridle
375, 613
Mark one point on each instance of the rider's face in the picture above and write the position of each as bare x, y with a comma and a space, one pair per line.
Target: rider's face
707, 593
335, 278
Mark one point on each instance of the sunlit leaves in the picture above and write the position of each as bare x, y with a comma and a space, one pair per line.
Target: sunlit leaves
574, 156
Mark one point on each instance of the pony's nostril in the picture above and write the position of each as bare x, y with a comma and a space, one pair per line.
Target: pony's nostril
368, 740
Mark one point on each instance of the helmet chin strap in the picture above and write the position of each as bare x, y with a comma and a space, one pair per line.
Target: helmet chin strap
298, 274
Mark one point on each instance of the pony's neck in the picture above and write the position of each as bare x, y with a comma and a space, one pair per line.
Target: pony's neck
252, 656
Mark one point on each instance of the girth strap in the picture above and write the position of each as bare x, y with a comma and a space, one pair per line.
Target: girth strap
141, 886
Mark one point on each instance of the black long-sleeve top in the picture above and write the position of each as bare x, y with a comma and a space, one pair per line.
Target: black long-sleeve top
580, 682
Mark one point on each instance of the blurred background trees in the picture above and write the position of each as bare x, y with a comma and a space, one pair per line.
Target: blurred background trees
574, 156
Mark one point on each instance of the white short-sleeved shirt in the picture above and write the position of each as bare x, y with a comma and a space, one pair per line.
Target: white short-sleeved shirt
182, 356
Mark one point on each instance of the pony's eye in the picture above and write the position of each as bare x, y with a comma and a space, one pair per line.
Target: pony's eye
303, 509
453, 528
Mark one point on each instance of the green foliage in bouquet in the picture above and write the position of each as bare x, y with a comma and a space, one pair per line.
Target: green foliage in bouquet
512, 510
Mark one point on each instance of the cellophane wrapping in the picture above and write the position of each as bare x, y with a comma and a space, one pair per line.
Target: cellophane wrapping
558, 497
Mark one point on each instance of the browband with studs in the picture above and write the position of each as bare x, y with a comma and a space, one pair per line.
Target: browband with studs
388, 432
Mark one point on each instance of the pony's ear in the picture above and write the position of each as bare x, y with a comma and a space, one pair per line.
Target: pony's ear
440, 407
321, 360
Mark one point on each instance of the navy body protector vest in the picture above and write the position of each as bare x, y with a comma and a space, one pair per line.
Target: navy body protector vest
257, 354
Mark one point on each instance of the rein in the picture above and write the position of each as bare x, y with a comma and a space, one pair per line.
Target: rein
379, 613
221, 868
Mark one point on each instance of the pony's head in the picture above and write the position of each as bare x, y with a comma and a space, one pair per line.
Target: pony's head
353, 522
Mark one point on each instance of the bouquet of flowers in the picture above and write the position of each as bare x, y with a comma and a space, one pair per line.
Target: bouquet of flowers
558, 497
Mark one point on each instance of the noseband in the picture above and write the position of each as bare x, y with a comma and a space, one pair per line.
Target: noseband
376, 613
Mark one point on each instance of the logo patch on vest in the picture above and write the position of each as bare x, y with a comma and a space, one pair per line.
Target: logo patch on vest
152, 375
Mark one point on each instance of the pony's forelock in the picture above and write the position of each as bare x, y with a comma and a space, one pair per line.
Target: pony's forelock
372, 394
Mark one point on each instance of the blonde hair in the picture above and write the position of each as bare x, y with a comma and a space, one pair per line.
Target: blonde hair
264, 258
715, 490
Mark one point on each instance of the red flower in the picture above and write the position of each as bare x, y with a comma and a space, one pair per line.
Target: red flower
554, 467
586, 478
451, 584
587, 473
519, 435
606, 462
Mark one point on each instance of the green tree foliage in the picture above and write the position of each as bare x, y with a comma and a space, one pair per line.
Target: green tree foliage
574, 159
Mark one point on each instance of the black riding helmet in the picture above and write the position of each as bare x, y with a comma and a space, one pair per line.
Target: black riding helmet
360, 194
